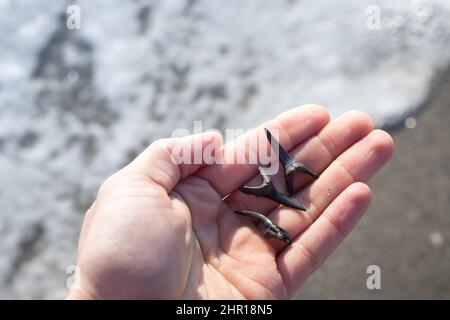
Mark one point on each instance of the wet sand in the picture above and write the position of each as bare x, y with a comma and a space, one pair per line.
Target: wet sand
406, 231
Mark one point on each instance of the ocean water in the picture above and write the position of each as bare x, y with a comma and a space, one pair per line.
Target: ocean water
75, 105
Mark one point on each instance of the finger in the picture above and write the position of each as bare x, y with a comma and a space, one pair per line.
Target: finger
294, 127
311, 248
167, 161
358, 163
316, 153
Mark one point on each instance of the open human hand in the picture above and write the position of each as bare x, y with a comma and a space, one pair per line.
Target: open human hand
162, 230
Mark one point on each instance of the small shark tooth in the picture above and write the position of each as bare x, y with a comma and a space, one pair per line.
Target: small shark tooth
271, 230
291, 166
268, 190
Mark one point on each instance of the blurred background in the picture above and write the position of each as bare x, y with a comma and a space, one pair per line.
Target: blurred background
86, 85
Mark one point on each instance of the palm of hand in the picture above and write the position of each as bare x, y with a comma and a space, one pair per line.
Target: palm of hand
190, 244
193, 253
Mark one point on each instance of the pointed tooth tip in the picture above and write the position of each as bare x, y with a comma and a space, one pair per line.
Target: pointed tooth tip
302, 168
311, 173
294, 204
297, 206
268, 134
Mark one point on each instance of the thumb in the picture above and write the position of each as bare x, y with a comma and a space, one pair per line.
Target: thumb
168, 161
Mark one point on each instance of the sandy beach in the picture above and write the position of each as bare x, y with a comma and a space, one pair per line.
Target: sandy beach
78, 104
406, 231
